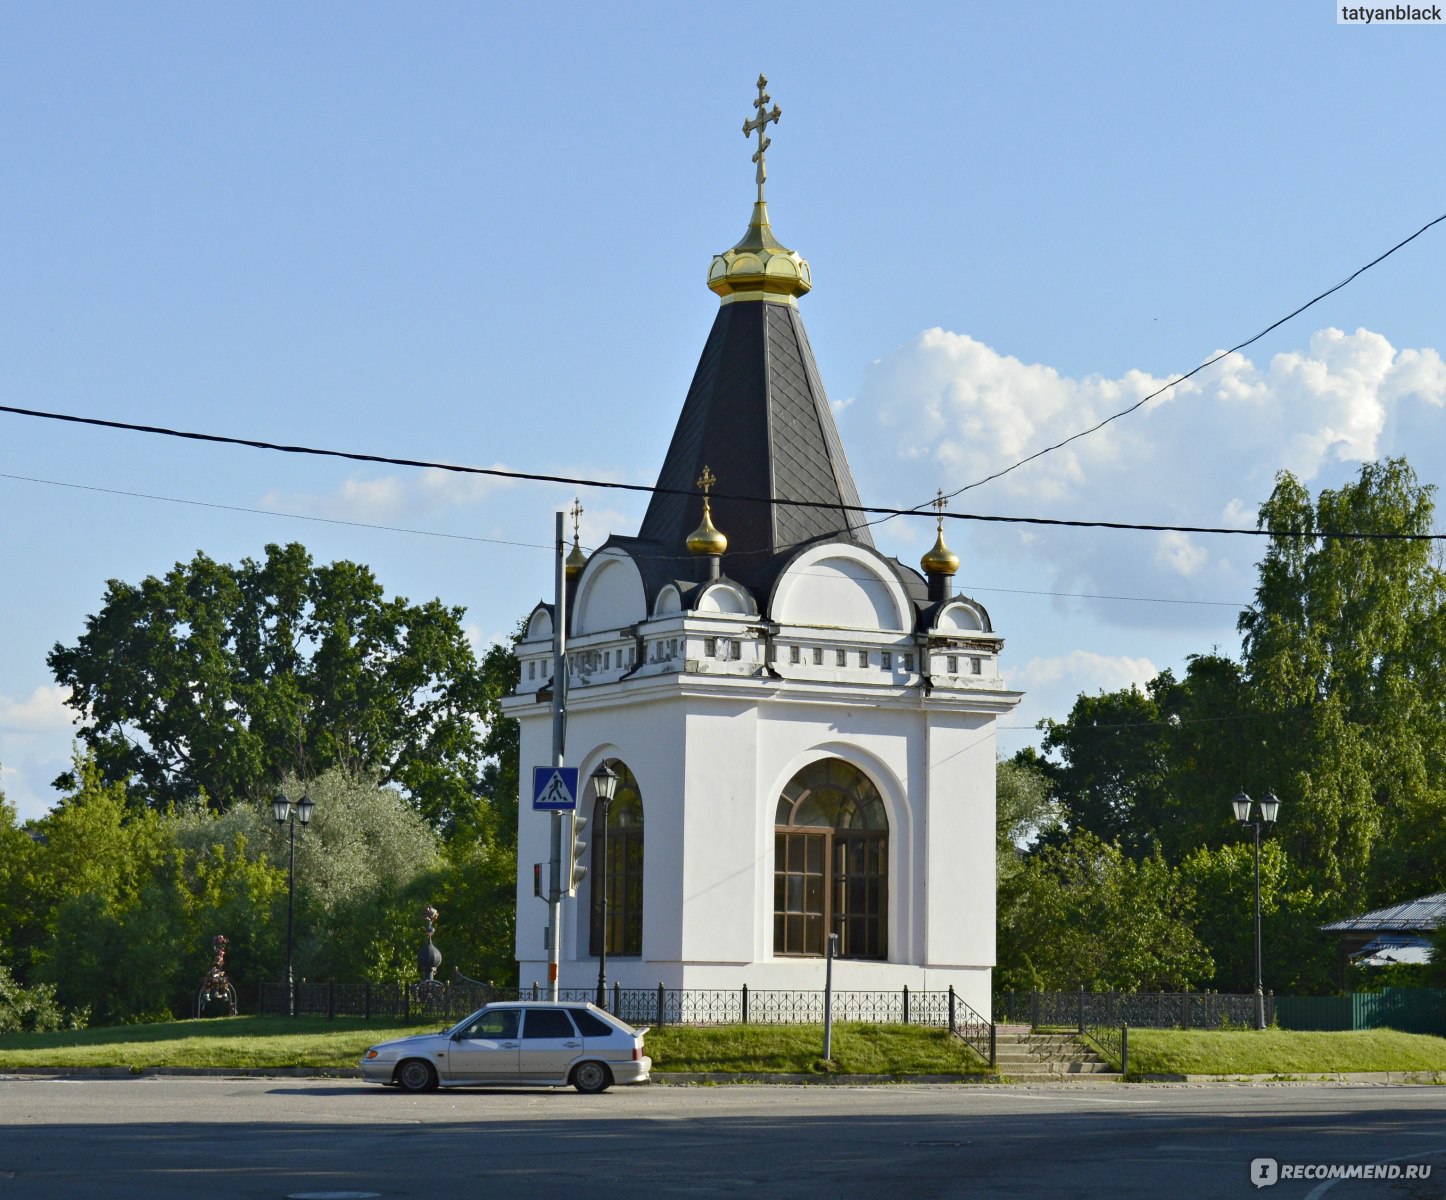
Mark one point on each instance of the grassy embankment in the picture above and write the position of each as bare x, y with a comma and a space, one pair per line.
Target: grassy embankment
1281, 1052
784, 1049
280, 1042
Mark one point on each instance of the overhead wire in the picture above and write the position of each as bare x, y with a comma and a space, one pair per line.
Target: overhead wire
1210, 362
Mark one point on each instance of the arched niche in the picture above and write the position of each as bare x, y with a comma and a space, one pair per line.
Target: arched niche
963, 616
724, 596
610, 595
669, 601
539, 625
842, 586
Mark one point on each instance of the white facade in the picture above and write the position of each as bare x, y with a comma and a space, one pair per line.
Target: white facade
714, 707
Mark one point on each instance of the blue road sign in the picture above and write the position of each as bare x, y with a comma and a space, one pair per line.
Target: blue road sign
554, 789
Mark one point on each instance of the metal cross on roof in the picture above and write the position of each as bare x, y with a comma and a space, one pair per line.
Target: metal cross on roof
759, 123
707, 480
939, 503
576, 511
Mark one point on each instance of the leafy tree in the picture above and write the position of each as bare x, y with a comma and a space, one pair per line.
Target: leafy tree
32, 1009
1344, 649
16, 852
1023, 809
213, 679
1296, 956
1084, 914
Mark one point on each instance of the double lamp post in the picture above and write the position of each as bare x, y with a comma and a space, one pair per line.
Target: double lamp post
288, 813
1269, 807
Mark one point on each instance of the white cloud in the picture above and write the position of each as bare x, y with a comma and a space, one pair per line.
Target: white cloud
952, 410
389, 498
43, 711
1083, 670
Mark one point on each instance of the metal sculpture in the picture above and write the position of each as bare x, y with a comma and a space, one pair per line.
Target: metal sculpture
216, 987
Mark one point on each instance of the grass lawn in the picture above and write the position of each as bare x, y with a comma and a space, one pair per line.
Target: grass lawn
218, 1042
798, 1050
310, 1042
1281, 1052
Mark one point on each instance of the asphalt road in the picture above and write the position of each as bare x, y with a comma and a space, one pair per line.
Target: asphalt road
157, 1138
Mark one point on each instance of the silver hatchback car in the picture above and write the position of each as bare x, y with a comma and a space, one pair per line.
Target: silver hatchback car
528, 1043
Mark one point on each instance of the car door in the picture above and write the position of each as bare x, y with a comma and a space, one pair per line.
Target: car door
550, 1043
485, 1051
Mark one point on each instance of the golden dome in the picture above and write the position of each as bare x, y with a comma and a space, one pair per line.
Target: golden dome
760, 266
940, 560
707, 539
575, 561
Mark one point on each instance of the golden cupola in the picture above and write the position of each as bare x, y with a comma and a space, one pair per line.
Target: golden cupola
707, 541
576, 560
760, 267
940, 563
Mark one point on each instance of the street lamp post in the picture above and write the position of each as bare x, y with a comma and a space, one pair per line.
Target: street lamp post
287, 813
1269, 806
604, 786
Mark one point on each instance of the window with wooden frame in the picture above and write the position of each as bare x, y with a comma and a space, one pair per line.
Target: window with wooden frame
617, 871
831, 863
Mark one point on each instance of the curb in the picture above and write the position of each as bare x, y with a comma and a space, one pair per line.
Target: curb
756, 1078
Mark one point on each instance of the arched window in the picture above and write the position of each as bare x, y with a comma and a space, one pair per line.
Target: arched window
617, 872
831, 863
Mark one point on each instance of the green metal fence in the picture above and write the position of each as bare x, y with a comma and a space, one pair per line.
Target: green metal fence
1411, 1010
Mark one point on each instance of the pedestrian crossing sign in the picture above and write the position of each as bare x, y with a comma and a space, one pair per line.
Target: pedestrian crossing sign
554, 789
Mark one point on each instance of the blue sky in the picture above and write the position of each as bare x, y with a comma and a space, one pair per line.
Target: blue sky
478, 233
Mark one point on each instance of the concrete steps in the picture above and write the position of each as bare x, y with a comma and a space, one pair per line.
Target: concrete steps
1023, 1056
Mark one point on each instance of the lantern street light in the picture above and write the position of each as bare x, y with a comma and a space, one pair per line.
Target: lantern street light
287, 813
1269, 806
604, 786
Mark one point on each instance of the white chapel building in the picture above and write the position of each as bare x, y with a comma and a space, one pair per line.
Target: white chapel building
803, 727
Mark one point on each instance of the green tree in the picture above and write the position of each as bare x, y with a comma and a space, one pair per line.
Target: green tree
1295, 955
1084, 914
1023, 809
213, 679
1343, 651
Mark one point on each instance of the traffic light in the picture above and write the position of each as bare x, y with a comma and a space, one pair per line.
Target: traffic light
573, 866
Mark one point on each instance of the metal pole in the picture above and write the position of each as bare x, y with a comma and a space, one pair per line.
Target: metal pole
290, 894
600, 881
828, 998
1259, 991
559, 685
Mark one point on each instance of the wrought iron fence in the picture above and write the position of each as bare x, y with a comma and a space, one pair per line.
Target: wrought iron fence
1113, 1042
657, 1007
1151, 1010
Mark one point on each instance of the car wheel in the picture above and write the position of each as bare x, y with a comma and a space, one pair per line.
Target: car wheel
416, 1075
591, 1078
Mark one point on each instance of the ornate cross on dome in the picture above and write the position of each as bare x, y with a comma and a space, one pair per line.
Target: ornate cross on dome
706, 481
759, 123
939, 503
576, 511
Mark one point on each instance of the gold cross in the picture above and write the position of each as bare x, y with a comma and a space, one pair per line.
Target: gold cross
939, 504
759, 123
576, 512
707, 480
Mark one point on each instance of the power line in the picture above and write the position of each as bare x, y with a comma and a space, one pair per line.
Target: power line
268, 512
1124, 412
291, 516
579, 481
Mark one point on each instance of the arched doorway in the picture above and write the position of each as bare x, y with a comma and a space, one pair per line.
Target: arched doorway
621, 875
831, 863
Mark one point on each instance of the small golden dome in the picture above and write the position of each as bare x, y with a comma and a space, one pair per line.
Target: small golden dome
940, 560
760, 266
575, 561
707, 539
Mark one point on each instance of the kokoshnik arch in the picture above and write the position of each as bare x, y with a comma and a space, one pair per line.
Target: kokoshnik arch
804, 728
